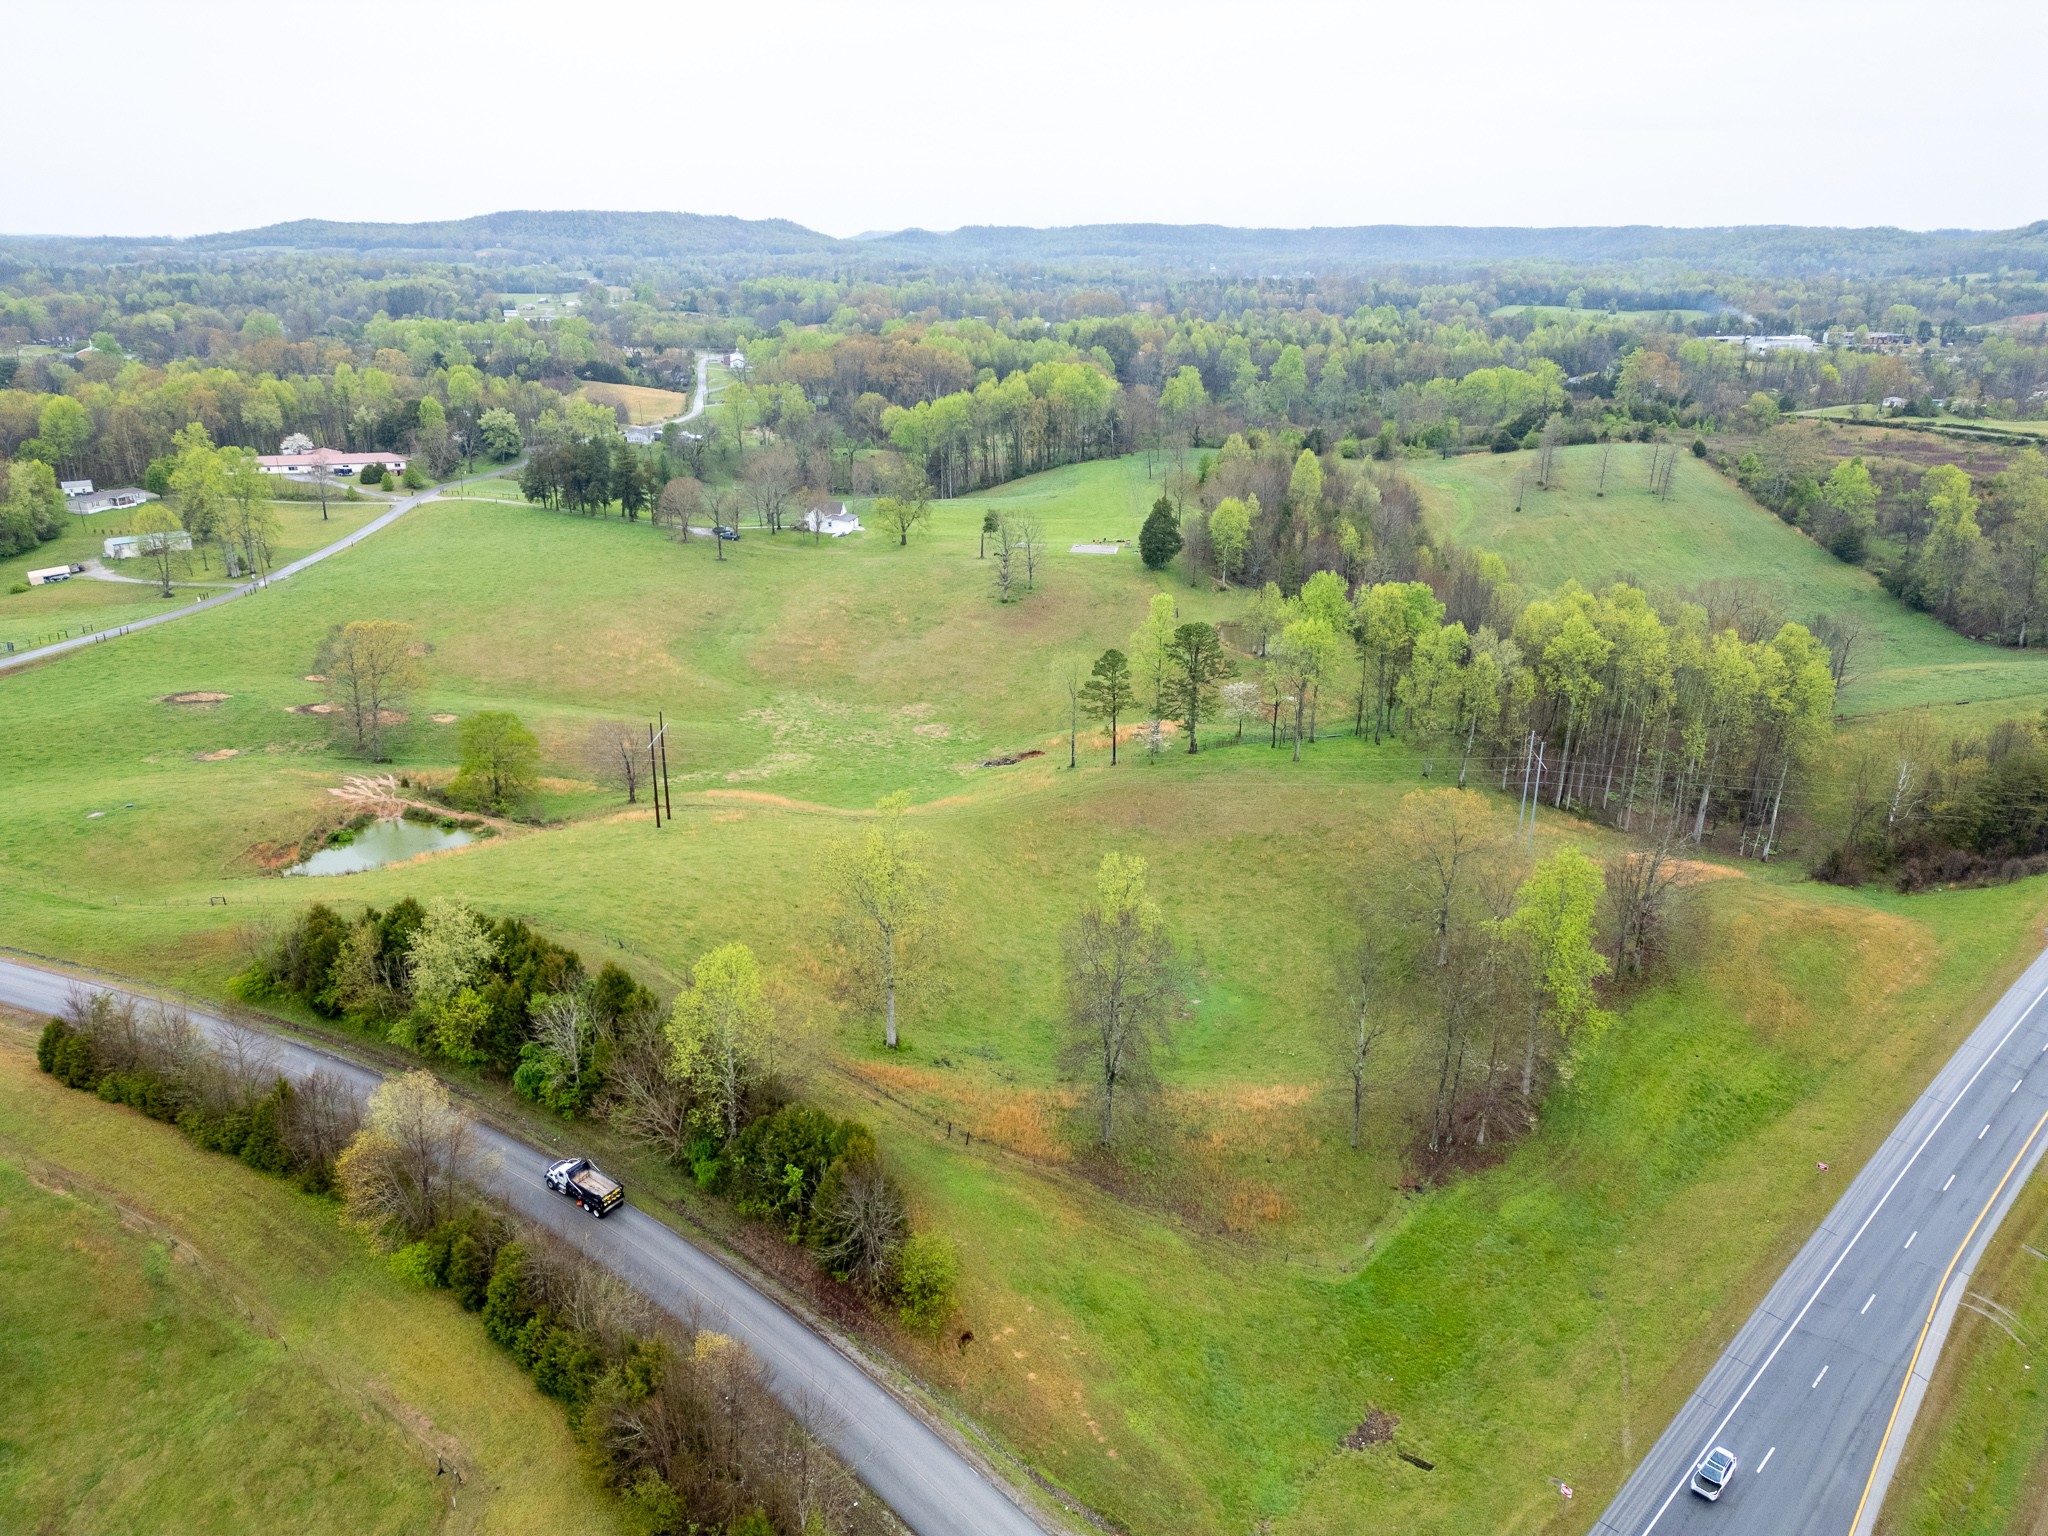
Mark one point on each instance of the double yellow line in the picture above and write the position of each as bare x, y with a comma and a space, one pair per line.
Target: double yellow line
1927, 1327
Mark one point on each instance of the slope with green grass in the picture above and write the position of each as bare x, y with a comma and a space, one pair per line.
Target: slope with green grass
803, 680
1708, 530
192, 1347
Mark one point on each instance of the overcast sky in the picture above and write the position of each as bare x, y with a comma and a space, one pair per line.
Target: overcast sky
143, 118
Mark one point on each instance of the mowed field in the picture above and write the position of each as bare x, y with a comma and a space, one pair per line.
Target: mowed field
1708, 530
82, 603
1186, 1351
192, 1347
642, 403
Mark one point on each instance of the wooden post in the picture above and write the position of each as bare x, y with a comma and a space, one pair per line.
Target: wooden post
651, 778
670, 793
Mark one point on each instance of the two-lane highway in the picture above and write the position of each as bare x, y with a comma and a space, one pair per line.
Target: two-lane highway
936, 1489
1817, 1392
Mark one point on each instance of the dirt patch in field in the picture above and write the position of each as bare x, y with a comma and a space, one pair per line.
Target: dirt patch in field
936, 729
1376, 1428
197, 697
442, 719
314, 677
309, 709
221, 756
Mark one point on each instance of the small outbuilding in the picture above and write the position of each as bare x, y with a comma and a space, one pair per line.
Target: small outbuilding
117, 500
832, 519
126, 546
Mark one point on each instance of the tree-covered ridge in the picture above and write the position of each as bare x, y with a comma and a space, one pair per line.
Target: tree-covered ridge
600, 235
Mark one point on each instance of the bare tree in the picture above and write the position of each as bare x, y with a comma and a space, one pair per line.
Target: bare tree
1643, 889
1445, 837
320, 1119
1071, 674
863, 1219
649, 1103
1030, 535
1371, 978
1005, 567
772, 478
613, 752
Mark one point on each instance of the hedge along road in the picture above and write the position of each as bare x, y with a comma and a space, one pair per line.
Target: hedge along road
229, 594
931, 1484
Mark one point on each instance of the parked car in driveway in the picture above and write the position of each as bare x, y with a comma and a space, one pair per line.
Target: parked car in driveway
722, 532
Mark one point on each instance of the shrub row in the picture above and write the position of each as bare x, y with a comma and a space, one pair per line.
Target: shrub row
679, 1425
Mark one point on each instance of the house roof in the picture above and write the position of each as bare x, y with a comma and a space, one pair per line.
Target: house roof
119, 496
326, 458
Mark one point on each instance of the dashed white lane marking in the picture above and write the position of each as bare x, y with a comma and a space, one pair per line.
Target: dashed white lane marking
2015, 1088
1866, 1306
1987, 1126
1816, 1380
1909, 1241
1767, 1458
1951, 1180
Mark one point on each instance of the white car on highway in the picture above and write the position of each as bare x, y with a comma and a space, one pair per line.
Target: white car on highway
1711, 1476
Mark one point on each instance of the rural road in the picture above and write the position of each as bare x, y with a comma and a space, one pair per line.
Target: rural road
1817, 1392
227, 595
935, 1489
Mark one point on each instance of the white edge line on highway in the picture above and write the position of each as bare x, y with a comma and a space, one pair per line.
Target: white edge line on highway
1849, 1247
1767, 1458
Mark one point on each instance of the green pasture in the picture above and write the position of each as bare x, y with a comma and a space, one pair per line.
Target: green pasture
1187, 1351
82, 603
1709, 531
192, 1347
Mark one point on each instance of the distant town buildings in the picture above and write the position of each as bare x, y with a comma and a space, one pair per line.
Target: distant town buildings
1771, 343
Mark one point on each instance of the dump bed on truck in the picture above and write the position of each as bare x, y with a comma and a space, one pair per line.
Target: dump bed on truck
597, 1186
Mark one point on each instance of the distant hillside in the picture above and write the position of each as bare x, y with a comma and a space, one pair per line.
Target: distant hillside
1773, 248
584, 236
534, 235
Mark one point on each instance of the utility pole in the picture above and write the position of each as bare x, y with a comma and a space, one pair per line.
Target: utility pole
657, 768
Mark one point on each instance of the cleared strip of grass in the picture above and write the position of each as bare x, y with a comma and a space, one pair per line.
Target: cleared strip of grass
192, 1347
1709, 531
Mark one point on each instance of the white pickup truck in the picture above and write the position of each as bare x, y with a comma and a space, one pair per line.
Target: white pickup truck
578, 1178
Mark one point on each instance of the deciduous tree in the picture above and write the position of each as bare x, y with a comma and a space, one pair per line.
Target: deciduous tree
1122, 988
886, 888
722, 1034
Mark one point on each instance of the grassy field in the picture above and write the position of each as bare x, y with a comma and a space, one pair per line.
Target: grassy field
1709, 530
83, 603
642, 404
2031, 429
193, 1347
1977, 1461
1538, 1320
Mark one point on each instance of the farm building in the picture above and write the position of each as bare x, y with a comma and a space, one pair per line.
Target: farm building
831, 519
329, 461
117, 500
126, 546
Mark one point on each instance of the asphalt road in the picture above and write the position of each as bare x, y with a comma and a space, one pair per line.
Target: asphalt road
931, 1485
1817, 1392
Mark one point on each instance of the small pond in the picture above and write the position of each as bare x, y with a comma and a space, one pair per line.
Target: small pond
381, 842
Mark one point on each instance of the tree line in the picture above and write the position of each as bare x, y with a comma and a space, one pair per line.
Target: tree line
678, 1423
